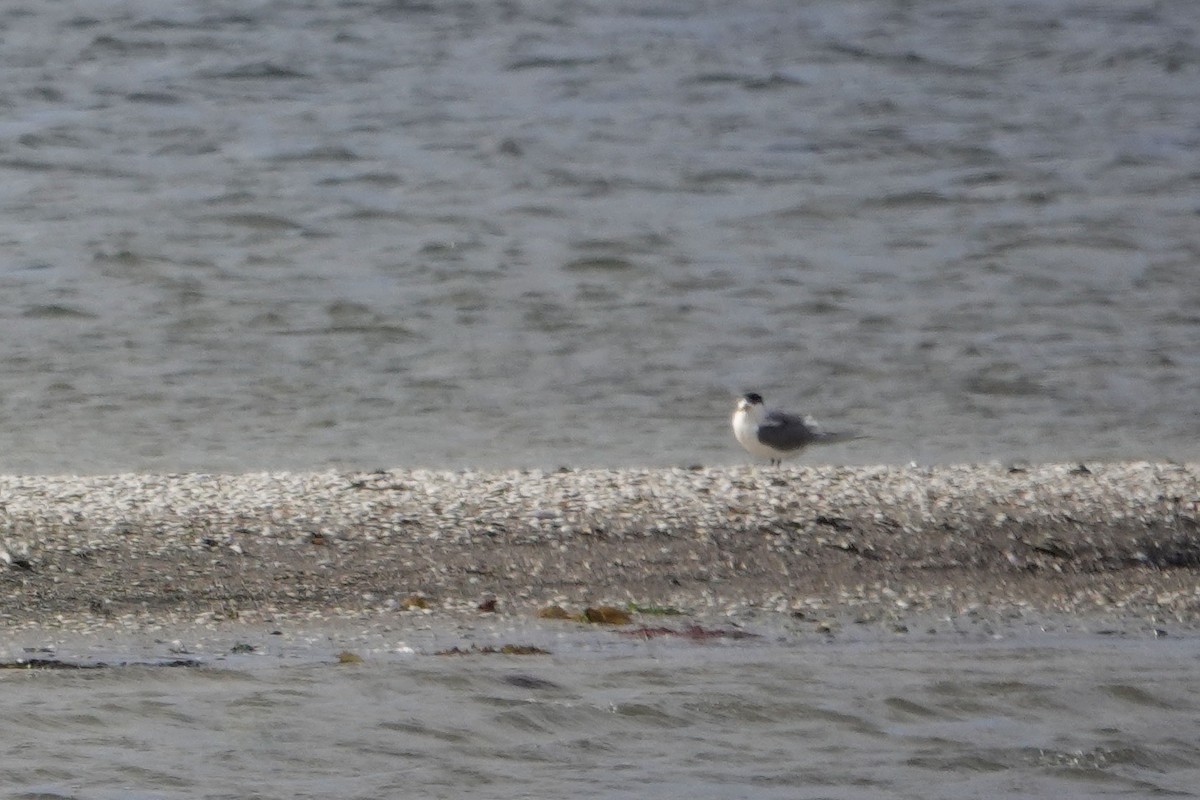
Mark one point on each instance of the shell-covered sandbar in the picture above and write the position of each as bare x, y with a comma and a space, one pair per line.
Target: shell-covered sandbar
1099, 541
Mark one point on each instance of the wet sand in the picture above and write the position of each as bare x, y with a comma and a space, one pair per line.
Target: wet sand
828, 545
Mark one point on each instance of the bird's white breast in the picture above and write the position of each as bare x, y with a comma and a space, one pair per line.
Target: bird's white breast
745, 430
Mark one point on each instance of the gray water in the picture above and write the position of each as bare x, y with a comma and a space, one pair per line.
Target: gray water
265, 235
251, 235
1038, 715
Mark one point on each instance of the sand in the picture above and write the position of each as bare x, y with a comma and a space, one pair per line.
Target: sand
1108, 543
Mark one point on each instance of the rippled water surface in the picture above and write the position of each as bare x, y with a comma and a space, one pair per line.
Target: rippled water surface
267, 234
1068, 717
275, 234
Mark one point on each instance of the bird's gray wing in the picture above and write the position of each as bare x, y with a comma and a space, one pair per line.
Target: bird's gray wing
785, 431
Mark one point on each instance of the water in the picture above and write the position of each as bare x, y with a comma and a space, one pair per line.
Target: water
266, 235
1034, 716
292, 235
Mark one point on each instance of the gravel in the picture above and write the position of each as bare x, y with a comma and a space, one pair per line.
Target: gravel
876, 543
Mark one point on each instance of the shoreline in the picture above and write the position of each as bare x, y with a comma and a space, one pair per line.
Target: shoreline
884, 544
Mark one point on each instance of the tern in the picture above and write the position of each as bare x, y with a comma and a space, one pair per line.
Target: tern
775, 435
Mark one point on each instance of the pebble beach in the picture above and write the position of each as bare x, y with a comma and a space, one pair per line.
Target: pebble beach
1112, 541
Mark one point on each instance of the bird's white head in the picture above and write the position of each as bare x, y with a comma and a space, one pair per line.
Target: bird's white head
751, 404
748, 402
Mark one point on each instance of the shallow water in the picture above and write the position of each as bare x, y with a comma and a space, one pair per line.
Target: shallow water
1036, 715
270, 234
290, 235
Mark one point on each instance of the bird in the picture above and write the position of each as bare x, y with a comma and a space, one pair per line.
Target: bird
775, 435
